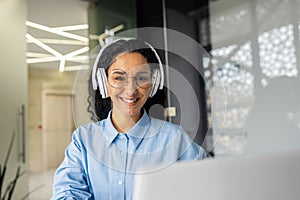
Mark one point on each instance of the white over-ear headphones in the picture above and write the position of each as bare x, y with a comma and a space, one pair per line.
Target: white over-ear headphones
99, 77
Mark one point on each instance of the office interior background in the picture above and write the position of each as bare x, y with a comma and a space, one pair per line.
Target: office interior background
255, 56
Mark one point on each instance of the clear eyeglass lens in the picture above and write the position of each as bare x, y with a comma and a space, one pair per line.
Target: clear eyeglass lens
119, 79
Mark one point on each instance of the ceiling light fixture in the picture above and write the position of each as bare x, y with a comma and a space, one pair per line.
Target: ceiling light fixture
43, 46
56, 31
54, 55
106, 34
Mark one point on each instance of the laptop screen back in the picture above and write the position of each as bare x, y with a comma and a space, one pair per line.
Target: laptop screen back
274, 177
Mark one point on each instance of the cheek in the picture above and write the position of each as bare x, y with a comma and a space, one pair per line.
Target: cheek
110, 91
147, 91
113, 92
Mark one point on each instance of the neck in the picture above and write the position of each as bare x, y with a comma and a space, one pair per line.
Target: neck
124, 123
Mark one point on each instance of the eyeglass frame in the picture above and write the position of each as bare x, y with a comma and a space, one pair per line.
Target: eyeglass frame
127, 77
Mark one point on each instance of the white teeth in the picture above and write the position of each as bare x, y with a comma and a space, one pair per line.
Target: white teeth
129, 100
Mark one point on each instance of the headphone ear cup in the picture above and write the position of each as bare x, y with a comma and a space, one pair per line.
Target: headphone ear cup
102, 82
155, 82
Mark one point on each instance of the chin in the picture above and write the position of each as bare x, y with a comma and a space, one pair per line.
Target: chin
133, 112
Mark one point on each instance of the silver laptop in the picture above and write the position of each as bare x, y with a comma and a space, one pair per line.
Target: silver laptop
268, 177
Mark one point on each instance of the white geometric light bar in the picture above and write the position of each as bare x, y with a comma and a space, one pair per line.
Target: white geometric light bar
37, 55
62, 65
56, 31
72, 27
77, 52
43, 46
77, 67
33, 60
59, 41
74, 39
106, 34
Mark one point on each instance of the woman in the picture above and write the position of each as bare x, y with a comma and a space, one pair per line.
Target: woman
103, 157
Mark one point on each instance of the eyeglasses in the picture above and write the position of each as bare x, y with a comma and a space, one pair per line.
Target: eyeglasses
119, 79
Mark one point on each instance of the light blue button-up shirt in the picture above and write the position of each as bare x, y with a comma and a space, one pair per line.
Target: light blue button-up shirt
100, 163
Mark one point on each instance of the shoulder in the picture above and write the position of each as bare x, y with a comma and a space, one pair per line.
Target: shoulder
89, 131
176, 139
164, 126
91, 126
166, 131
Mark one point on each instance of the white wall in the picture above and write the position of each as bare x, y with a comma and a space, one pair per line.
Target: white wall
13, 84
263, 92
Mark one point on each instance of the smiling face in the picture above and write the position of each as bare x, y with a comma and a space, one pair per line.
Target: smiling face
129, 98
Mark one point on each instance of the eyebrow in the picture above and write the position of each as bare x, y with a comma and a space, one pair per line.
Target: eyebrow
144, 72
118, 71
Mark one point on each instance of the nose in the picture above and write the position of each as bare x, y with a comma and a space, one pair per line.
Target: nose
131, 86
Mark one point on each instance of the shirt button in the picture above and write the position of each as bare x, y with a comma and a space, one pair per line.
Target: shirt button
120, 182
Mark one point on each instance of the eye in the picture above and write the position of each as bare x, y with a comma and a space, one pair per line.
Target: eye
119, 78
143, 78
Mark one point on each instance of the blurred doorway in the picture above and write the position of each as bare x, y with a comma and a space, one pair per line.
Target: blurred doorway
56, 132
58, 123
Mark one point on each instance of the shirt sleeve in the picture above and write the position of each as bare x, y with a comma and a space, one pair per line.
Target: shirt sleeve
193, 151
70, 179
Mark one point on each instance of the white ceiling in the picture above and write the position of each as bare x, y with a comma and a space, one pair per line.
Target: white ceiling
56, 13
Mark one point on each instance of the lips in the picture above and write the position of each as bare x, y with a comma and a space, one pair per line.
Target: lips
129, 100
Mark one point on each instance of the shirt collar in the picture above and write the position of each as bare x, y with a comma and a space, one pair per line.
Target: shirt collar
135, 134
110, 131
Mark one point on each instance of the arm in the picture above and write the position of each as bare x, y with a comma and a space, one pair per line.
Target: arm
193, 151
70, 179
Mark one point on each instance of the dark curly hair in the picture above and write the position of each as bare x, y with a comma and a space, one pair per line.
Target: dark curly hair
99, 107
